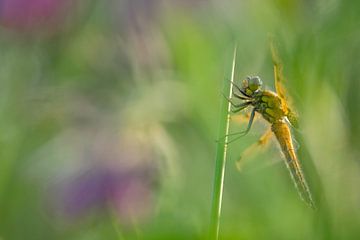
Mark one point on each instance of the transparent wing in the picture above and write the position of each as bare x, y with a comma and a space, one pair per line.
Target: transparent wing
280, 88
251, 151
278, 73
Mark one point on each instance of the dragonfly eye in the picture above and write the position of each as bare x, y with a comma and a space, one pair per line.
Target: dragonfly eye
255, 83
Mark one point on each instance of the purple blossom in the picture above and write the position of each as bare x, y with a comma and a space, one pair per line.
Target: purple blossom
129, 193
112, 177
30, 15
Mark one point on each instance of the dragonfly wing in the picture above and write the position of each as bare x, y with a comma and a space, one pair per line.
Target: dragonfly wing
278, 75
283, 135
254, 149
280, 88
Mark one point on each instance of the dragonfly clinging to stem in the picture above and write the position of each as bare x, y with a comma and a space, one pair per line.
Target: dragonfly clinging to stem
274, 108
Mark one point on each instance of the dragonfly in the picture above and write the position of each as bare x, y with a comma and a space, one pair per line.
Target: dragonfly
275, 108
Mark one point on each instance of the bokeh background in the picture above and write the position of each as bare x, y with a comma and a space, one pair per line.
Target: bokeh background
109, 113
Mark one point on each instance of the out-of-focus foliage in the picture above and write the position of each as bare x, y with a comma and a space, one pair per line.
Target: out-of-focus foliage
109, 112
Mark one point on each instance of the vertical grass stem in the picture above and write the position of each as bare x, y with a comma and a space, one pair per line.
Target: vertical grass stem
221, 150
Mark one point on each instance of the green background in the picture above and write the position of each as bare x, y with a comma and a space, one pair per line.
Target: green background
153, 70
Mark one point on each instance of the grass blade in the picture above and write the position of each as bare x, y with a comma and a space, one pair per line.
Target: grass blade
221, 150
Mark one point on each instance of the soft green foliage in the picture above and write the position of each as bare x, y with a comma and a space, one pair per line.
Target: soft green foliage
142, 81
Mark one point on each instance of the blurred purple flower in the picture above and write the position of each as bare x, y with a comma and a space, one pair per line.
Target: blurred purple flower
128, 193
115, 177
30, 15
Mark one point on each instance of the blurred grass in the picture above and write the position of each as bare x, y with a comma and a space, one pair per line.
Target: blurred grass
155, 68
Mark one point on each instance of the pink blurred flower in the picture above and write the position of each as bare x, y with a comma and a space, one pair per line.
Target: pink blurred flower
128, 194
120, 176
31, 15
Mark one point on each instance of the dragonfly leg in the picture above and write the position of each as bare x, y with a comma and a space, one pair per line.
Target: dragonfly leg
253, 149
239, 96
240, 90
236, 86
238, 106
243, 133
244, 97
243, 117
246, 117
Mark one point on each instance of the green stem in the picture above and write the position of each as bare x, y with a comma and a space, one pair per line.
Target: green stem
221, 151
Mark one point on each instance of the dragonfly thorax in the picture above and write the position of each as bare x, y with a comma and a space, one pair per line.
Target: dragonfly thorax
269, 105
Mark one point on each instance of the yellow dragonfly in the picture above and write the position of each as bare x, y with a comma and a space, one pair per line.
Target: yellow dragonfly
274, 108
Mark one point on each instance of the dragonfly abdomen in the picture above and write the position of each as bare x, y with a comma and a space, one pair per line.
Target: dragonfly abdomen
283, 135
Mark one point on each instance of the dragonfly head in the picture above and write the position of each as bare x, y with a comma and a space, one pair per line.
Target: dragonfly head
251, 85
